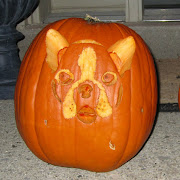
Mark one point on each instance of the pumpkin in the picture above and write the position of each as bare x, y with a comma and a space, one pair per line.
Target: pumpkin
86, 94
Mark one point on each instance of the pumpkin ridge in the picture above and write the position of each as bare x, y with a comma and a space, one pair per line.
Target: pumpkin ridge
154, 89
76, 31
139, 65
43, 63
101, 31
113, 147
24, 75
76, 162
75, 144
25, 63
17, 95
34, 113
60, 28
119, 161
54, 26
28, 56
141, 80
150, 73
35, 99
88, 32
60, 25
19, 81
119, 26
141, 89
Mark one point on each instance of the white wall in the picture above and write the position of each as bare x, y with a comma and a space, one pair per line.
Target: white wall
56, 5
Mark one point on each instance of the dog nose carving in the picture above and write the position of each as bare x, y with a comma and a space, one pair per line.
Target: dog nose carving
85, 90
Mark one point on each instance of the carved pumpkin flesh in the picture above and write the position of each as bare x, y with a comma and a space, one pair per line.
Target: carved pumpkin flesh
86, 95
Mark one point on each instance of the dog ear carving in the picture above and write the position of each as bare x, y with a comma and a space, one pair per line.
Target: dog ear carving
122, 53
54, 43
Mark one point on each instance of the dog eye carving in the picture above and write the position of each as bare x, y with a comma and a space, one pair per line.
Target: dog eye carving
109, 78
64, 77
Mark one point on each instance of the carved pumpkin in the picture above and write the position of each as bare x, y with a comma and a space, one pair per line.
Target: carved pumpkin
86, 95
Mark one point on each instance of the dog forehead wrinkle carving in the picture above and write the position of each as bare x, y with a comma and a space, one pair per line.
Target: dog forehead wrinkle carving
87, 63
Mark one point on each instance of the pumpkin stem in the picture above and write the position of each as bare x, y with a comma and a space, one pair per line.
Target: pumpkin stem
91, 19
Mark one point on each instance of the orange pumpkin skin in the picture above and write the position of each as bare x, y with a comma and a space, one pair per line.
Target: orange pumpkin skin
106, 143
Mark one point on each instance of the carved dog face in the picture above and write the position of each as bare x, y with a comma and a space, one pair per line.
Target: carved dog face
81, 74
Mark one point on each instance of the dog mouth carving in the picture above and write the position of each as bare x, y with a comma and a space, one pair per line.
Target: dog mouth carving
86, 114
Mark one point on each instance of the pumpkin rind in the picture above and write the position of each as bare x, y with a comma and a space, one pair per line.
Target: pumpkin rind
107, 142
